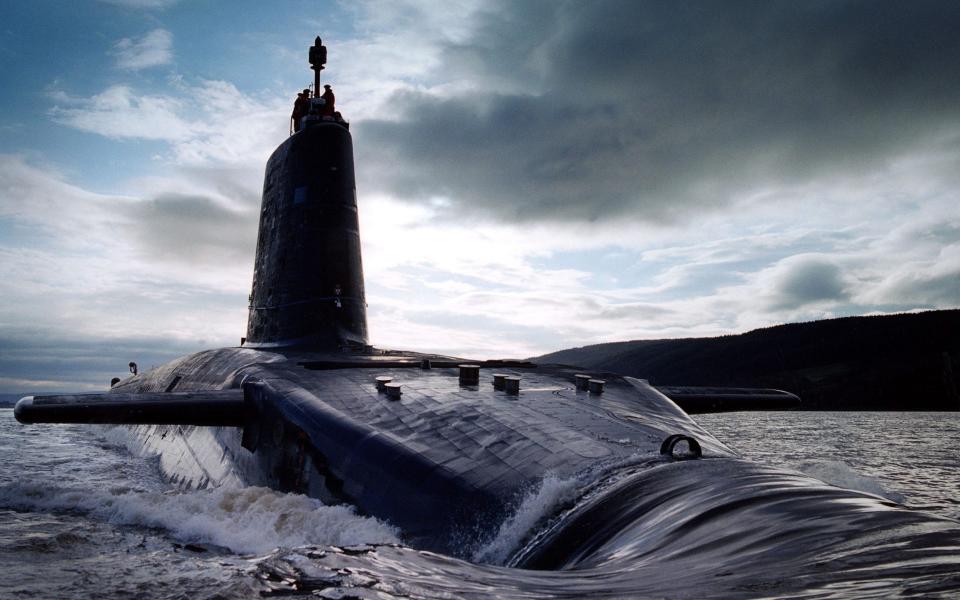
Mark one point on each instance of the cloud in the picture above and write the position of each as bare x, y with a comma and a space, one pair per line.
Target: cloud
45, 360
121, 113
142, 4
162, 265
534, 176
193, 230
171, 263
174, 227
207, 123
929, 286
572, 111
804, 279
52, 210
926, 272
152, 50
536, 286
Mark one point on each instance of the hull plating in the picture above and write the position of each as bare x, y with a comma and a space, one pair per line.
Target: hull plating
450, 465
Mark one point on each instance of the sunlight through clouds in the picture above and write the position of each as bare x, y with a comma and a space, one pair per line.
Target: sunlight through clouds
530, 176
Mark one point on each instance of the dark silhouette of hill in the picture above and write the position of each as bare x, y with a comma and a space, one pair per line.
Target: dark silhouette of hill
890, 362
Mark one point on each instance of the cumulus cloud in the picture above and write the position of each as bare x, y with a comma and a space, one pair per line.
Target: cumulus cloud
595, 111
153, 49
802, 279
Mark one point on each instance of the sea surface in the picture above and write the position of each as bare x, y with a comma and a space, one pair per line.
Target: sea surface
81, 516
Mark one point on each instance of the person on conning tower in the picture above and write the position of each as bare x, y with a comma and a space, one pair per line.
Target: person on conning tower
300, 107
328, 100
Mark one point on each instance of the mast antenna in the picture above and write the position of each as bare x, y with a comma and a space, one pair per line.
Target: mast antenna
318, 58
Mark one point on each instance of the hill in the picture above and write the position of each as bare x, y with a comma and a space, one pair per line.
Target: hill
9, 400
890, 362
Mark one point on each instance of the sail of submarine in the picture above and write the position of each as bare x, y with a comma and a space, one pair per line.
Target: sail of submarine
440, 447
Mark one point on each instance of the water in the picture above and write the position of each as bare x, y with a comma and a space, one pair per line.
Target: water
910, 458
80, 516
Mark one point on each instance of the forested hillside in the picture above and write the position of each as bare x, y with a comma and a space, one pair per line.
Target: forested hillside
890, 362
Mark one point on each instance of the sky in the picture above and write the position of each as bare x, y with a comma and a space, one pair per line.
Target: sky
531, 176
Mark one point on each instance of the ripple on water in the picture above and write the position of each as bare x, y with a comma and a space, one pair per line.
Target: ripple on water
912, 457
92, 520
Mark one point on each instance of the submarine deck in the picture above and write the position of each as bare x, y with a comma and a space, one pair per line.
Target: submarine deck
462, 455
444, 460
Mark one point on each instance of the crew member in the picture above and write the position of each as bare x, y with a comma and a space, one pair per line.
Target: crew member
300, 108
295, 115
328, 99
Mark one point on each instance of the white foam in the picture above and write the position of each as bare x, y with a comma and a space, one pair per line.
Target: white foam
840, 474
539, 503
245, 520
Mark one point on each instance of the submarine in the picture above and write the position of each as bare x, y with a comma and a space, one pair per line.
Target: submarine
446, 448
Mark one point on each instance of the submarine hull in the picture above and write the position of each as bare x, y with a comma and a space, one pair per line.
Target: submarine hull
445, 461
449, 461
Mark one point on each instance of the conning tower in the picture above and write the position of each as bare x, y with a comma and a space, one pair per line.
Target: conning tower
308, 276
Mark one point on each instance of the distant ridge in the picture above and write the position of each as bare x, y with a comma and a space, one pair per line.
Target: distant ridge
907, 361
8, 400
